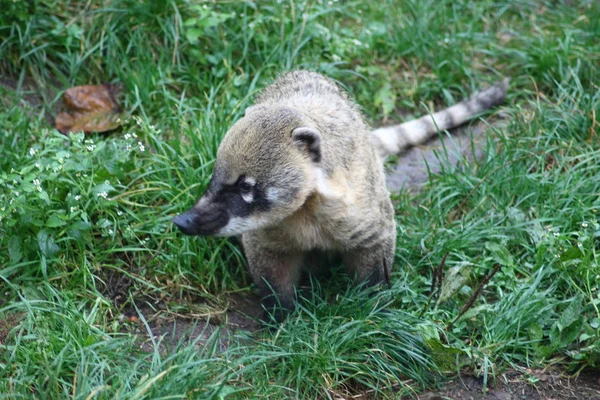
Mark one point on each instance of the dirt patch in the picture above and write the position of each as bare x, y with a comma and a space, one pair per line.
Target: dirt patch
8, 321
165, 328
513, 385
32, 98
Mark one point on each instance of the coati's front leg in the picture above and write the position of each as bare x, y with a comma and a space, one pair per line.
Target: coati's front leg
276, 274
372, 264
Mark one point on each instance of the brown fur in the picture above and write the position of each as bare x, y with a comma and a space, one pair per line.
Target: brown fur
297, 176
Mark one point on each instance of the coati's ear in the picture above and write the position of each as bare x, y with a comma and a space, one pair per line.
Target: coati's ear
308, 139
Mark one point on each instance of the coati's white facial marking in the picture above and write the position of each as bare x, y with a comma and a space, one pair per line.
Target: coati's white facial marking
239, 225
246, 189
273, 194
248, 197
322, 186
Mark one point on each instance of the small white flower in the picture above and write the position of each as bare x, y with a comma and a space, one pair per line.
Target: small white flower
68, 155
127, 136
17, 194
91, 147
102, 194
111, 232
584, 224
89, 141
133, 135
39, 188
60, 161
142, 148
128, 148
38, 166
11, 201
357, 42
78, 197
3, 209
119, 212
36, 182
32, 152
78, 174
556, 234
73, 209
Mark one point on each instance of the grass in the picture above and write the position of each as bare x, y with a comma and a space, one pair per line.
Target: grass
93, 237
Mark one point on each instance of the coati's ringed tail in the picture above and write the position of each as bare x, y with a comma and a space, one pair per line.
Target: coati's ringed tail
394, 139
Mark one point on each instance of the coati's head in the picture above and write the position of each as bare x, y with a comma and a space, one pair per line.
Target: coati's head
266, 167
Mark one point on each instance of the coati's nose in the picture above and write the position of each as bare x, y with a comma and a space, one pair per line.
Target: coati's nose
185, 223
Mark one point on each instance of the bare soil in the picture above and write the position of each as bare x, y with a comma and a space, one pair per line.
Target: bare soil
513, 385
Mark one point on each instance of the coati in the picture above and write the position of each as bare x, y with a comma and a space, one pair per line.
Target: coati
302, 172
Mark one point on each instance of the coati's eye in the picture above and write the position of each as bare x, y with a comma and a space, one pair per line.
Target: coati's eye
245, 187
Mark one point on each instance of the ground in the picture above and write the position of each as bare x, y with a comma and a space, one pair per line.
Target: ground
496, 272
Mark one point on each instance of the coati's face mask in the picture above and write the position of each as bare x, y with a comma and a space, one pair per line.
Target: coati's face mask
264, 171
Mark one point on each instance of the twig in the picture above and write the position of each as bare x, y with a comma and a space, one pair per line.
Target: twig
438, 278
474, 296
436, 283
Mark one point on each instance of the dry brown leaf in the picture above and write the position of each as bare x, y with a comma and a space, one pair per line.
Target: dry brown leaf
92, 108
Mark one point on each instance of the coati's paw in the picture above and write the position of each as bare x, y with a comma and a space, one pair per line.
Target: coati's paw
274, 312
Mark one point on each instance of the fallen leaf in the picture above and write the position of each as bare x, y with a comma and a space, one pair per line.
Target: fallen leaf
91, 108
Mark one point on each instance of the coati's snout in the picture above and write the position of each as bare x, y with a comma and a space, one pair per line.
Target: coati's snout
206, 221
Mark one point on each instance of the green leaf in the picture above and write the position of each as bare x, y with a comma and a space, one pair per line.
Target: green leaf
103, 187
385, 98
46, 243
193, 34
44, 197
55, 221
571, 314
535, 332
500, 253
14, 249
569, 326
454, 280
81, 226
446, 357
572, 253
